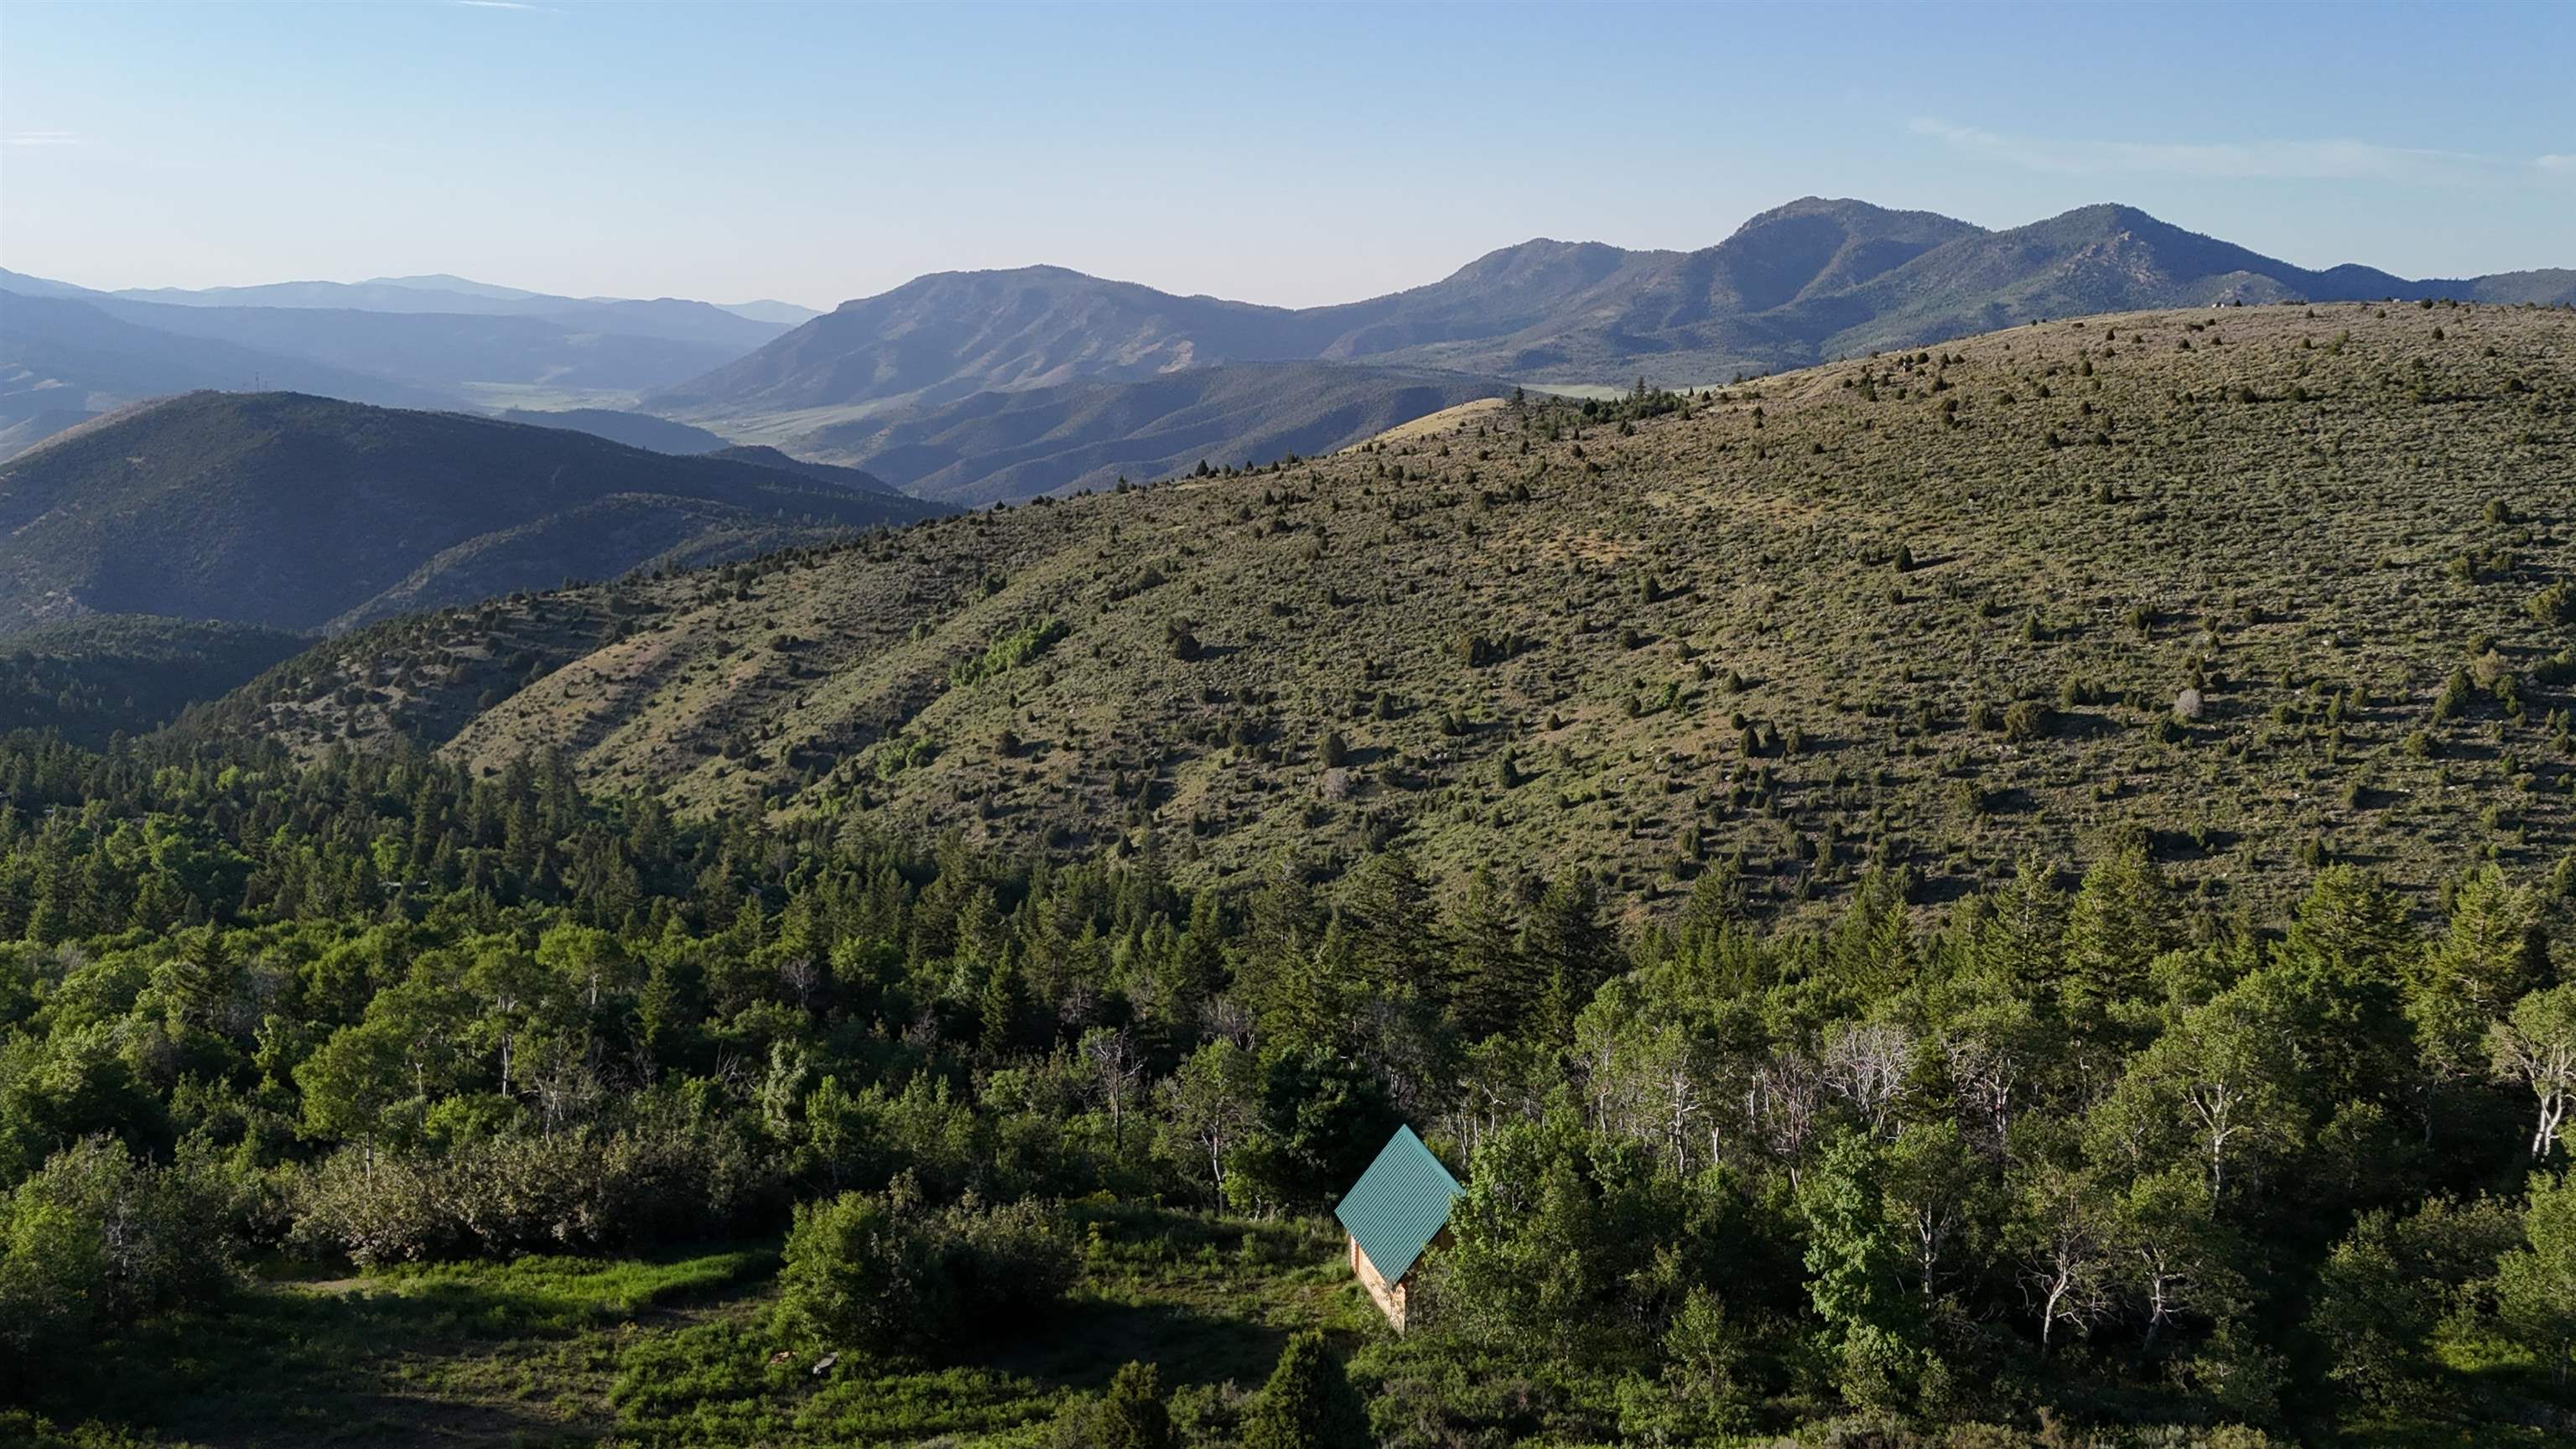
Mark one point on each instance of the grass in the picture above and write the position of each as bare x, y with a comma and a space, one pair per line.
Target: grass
671, 1349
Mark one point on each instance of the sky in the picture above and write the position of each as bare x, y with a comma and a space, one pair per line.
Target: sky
1285, 154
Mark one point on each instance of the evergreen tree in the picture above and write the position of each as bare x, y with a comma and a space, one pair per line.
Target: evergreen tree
1571, 951
1132, 1415
1491, 985
2122, 917
1308, 1404
2536, 1283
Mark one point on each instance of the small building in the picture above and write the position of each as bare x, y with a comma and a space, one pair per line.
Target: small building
1396, 1211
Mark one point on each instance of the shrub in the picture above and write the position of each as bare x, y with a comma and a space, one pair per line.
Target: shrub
670, 1172
878, 1271
1010, 652
2454, 699
2555, 604
96, 1241
2027, 719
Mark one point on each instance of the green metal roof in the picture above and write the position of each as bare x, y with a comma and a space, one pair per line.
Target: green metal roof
1399, 1205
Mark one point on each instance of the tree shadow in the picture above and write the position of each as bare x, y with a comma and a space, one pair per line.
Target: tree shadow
1086, 1341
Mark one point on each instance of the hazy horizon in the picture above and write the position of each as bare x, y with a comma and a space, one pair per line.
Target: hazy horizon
819, 154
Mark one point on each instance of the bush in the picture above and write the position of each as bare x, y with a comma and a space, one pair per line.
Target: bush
96, 1241
670, 1173
880, 1272
2027, 719
2555, 604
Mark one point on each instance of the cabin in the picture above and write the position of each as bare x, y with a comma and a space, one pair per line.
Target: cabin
1397, 1211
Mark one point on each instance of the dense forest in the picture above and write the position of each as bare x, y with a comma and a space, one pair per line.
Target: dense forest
2072, 1159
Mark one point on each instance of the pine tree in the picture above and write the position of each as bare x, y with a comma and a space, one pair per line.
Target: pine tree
1133, 1414
2122, 918
1491, 986
1308, 1404
1570, 949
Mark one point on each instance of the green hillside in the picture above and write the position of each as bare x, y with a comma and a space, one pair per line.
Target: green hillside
2280, 584
300, 512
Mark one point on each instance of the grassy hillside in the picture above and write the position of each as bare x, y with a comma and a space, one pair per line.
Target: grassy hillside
300, 512
2277, 582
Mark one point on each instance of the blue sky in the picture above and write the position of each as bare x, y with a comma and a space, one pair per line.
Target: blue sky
1293, 154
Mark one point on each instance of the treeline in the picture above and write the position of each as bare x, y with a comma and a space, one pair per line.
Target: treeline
2072, 1145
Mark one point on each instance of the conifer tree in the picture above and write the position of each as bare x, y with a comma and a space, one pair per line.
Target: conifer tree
1308, 1404
1133, 1414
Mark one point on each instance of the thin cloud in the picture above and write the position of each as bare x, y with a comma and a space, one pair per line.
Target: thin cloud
2560, 165
2328, 160
41, 138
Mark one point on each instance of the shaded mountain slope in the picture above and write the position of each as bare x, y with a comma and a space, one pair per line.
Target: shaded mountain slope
1004, 445
832, 473
107, 674
635, 430
300, 512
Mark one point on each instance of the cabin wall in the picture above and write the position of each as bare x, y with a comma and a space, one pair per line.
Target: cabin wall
1389, 1297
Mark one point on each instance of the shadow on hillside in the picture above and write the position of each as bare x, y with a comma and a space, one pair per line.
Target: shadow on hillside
1086, 1342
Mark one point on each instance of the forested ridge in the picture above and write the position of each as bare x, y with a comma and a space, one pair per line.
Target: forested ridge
2077, 1158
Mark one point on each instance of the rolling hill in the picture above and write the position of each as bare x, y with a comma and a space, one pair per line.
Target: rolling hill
303, 513
831, 473
2279, 581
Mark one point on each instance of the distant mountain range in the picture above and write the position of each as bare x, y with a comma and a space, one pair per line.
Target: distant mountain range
307, 513
68, 352
1800, 284
656, 317
980, 386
